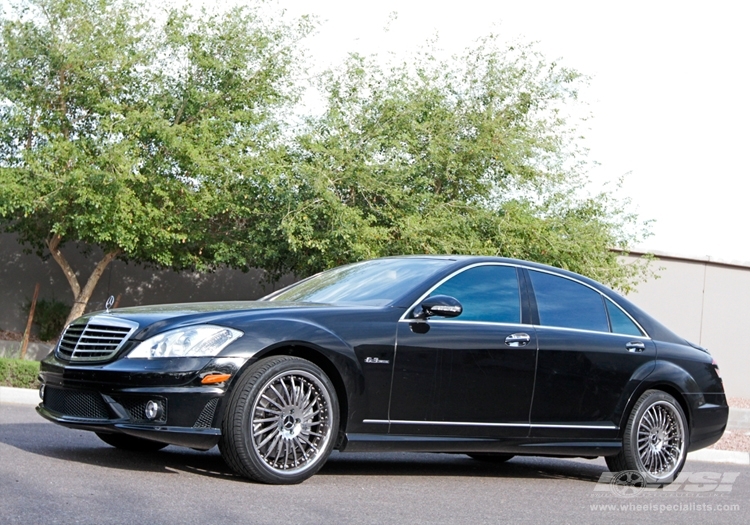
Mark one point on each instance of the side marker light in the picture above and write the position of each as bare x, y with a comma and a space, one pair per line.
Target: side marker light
210, 379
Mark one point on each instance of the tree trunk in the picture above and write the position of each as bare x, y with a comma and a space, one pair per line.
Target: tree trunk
81, 296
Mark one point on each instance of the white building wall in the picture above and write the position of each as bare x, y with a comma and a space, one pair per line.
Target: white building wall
706, 302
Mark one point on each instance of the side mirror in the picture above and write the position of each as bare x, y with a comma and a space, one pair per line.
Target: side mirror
440, 305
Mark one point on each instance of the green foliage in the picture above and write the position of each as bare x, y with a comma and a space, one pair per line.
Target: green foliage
166, 141
128, 133
471, 155
19, 373
49, 316
120, 131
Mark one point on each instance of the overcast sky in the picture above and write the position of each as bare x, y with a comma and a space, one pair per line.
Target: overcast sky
669, 93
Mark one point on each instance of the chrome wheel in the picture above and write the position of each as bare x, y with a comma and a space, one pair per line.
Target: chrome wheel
290, 421
655, 441
661, 440
280, 422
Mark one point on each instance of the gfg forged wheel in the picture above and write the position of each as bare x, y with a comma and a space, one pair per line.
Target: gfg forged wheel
656, 439
281, 421
660, 439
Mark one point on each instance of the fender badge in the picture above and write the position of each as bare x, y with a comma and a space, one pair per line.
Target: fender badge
376, 361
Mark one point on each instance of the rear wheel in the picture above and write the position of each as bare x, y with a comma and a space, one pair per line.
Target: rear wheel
135, 444
281, 421
656, 439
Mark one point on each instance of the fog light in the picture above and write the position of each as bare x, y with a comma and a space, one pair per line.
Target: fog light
41, 391
154, 410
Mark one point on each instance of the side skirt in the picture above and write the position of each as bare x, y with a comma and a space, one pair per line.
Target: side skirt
529, 447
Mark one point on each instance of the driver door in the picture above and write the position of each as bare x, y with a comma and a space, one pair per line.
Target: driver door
472, 375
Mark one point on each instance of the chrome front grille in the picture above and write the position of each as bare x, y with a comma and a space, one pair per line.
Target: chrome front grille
97, 338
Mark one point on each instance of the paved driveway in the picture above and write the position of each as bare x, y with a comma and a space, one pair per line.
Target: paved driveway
50, 474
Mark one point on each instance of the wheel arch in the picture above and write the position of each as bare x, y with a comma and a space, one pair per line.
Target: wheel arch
324, 362
307, 340
671, 379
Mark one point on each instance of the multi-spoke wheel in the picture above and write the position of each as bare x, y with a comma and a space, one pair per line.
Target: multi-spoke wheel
655, 442
281, 421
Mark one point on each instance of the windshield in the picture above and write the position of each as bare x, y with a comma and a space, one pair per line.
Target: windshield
376, 283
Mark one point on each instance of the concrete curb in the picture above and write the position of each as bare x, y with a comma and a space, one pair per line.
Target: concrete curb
30, 397
739, 419
19, 396
711, 455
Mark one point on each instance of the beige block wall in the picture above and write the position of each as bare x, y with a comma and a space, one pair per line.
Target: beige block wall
707, 303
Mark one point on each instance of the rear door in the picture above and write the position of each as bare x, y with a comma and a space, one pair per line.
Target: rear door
589, 352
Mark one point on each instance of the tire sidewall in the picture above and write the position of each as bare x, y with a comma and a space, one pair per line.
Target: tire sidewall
253, 384
630, 445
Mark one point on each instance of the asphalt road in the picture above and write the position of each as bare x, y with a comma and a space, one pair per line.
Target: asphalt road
50, 474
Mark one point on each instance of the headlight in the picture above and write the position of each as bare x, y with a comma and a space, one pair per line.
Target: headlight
193, 341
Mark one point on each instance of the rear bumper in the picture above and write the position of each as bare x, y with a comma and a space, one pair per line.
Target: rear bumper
708, 424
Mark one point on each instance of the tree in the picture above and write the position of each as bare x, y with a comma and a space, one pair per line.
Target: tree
166, 141
134, 134
470, 155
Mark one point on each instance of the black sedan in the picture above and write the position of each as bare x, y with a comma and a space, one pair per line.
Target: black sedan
482, 356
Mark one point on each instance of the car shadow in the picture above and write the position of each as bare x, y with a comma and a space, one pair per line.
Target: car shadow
85, 447
433, 464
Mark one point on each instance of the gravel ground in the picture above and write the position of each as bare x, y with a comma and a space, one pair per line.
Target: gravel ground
738, 402
738, 440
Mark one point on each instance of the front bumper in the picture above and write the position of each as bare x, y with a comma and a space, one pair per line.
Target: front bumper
113, 397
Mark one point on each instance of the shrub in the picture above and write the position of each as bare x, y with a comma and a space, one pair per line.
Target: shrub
49, 316
19, 373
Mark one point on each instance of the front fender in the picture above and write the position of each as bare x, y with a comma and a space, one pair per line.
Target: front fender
264, 337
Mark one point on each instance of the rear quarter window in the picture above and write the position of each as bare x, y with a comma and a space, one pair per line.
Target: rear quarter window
565, 303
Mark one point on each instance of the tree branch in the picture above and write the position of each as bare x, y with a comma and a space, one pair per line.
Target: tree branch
82, 298
53, 245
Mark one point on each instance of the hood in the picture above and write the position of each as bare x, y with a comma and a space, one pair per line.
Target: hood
154, 318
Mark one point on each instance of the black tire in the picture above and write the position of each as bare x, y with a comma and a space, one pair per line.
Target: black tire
132, 443
656, 439
281, 421
490, 457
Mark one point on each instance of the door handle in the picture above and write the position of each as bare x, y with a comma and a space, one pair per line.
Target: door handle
516, 340
635, 346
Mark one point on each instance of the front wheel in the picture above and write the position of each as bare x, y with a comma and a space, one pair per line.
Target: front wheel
656, 439
281, 421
